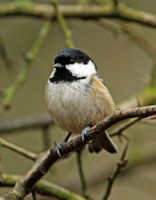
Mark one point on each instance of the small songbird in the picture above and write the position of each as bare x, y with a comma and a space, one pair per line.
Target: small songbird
77, 98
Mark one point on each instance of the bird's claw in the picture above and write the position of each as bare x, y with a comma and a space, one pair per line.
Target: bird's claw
59, 146
83, 133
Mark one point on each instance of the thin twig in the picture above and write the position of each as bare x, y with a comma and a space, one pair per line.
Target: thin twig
18, 149
119, 130
9, 92
5, 54
81, 174
46, 137
145, 42
63, 26
28, 122
121, 164
118, 28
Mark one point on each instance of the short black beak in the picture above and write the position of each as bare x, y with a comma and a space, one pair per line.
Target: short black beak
57, 65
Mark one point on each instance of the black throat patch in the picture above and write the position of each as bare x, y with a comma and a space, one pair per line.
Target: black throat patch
64, 75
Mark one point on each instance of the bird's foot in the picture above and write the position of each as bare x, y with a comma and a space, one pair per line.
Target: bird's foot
59, 146
83, 133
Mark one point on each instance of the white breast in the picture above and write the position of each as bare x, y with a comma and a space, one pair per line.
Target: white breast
66, 103
73, 106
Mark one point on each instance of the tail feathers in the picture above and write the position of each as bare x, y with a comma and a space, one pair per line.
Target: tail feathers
102, 141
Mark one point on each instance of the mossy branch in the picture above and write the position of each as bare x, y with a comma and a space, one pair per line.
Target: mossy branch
4, 54
119, 11
126, 28
42, 187
9, 92
63, 26
81, 174
18, 149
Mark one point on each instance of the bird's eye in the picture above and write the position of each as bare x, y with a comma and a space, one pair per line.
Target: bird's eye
71, 61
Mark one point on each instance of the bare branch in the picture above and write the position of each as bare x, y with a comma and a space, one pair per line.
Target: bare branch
9, 92
62, 24
28, 122
119, 131
5, 54
78, 11
121, 164
81, 174
18, 149
27, 183
46, 137
145, 42
42, 187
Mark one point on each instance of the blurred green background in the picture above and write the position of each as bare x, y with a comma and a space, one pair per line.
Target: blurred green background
125, 68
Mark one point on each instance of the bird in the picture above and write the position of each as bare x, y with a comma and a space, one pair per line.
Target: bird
77, 98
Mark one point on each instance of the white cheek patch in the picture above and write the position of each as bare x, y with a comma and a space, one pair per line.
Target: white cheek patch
80, 69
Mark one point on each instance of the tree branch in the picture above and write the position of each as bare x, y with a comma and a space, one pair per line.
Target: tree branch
121, 164
18, 149
4, 54
27, 183
81, 174
78, 11
46, 137
62, 24
119, 131
9, 92
145, 42
37, 121
42, 187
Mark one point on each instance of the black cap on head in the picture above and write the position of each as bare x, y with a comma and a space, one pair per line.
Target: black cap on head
71, 56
